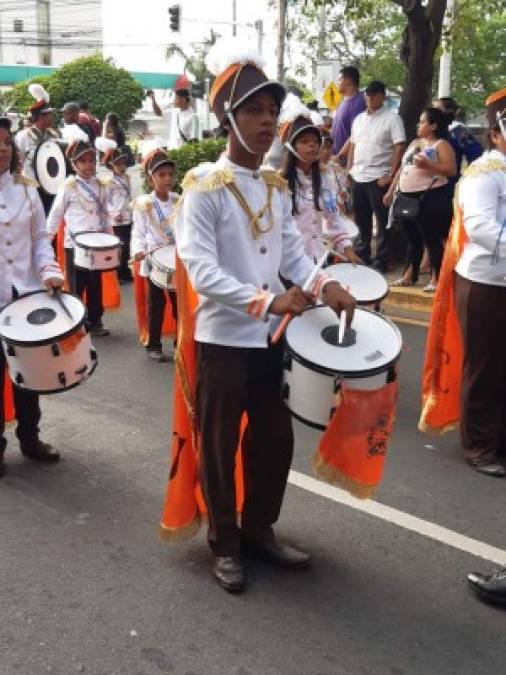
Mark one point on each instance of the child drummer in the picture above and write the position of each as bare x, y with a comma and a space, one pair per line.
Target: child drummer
82, 201
152, 229
26, 264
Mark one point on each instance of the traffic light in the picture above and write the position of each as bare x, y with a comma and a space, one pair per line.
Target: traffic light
175, 18
197, 89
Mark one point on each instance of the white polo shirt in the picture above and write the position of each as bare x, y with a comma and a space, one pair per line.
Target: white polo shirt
374, 136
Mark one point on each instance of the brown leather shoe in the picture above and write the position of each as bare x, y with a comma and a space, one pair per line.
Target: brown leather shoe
229, 573
267, 548
40, 451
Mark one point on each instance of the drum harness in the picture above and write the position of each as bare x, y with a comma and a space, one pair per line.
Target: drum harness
96, 199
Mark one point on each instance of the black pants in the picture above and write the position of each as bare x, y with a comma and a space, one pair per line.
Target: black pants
156, 306
124, 232
80, 281
481, 309
430, 228
26, 405
368, 200
231, 381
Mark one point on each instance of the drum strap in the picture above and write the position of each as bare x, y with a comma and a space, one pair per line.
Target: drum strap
101, 210
124, 184
255, 218
164, 222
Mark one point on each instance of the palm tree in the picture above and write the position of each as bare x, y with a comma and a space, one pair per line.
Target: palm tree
195, 64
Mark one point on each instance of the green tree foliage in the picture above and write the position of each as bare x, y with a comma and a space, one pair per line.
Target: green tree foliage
195, 63
92, 79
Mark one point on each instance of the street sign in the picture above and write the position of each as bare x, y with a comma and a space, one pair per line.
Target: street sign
331, 96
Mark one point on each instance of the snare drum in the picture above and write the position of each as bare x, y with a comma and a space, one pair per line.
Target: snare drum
163, 266
46, 350
315, 364
97, 251
367, 285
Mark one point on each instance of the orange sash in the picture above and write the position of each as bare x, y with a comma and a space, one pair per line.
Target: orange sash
353, 448
141, 305
111, 296
442, 370
184, 504
9, 413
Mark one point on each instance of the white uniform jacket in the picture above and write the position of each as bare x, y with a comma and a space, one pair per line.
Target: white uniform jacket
81, 211
120, 199
482, 197
27, 141
149, 230
313, 223
26, 254
232, 266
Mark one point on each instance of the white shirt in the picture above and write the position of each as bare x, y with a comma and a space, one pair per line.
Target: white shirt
26, 254
80, 210
236, 275
120, 198
482, 197
148, 232
313, 223
27, 141
182, 122
374, 136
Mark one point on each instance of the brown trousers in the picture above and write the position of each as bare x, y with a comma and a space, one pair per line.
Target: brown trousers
481, 309
231, 381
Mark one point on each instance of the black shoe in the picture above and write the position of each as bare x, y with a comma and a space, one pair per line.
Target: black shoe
489, 587
99, 331
495, 469
229, 573
40, 451
267, 548
158, 356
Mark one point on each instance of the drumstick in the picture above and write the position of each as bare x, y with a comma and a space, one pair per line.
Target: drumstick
342, 323
307, 286
59, 300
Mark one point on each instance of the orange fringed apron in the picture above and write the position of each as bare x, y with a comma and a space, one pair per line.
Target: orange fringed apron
352, 451
184, 504
9, 413
442, 370
111, 296
141, 306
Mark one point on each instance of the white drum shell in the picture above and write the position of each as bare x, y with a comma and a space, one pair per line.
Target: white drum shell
97, 259
163, 266
366, 284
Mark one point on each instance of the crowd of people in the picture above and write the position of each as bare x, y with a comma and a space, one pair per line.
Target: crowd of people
248, 239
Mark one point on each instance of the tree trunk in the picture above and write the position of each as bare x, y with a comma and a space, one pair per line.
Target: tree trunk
420, 40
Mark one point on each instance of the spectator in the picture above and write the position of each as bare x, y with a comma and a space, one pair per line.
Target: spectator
113, 129
427, 166
184, 128
377, 145
70, 112
86, 116
352, 105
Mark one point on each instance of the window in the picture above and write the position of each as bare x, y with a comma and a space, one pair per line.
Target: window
18, 25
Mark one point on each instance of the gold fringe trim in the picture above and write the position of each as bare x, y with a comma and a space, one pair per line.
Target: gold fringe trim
23, 180
173, 535
334, 476
274, 179
216, 180
142, 203
70, 182
478, 169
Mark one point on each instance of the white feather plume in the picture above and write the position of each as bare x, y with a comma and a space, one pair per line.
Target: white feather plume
316, 118
292, 108
73, 134
105, 144
227, 52
38, 92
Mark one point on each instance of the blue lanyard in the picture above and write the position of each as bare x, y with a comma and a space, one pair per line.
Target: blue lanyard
330, 201
123, 184
168, 230
96, 199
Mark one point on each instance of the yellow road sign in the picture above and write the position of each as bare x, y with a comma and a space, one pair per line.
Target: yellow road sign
331, 96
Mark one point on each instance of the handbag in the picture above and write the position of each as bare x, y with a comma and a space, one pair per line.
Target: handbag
407, 207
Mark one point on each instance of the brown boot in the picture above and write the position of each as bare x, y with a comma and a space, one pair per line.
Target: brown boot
40, 451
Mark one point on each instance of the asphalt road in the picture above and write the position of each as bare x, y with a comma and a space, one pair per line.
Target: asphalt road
87, 586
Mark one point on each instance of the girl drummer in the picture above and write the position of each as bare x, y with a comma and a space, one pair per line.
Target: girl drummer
152, 229
314, 195
26, 264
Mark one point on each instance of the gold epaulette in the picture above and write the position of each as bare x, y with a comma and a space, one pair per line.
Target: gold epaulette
479, 168
52, 132
142, 203
105, 181
275, 179
212, 181
70, 182
23, 180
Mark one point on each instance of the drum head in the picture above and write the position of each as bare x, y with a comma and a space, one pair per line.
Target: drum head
372, 344
364, 283
38, 318
49, 166
165, 257
96, 240
351, 227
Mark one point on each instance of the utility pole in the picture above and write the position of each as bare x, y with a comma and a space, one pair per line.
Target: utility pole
44, 32
259, 25
445, 62
234, 17
281, 40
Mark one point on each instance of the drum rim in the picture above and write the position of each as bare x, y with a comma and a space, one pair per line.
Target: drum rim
96, 248
45, 341
47, 392
34, 165
354, 374
160, 266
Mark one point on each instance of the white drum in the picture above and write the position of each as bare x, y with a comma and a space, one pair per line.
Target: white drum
315, 364
366, 284
163, 266
97, 251
46, 350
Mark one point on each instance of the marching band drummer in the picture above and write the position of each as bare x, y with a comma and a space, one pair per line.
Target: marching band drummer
40, 130
235, 235
82, 202
27, 263
152, 229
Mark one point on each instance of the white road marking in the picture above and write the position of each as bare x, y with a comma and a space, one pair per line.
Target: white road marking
405, 520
